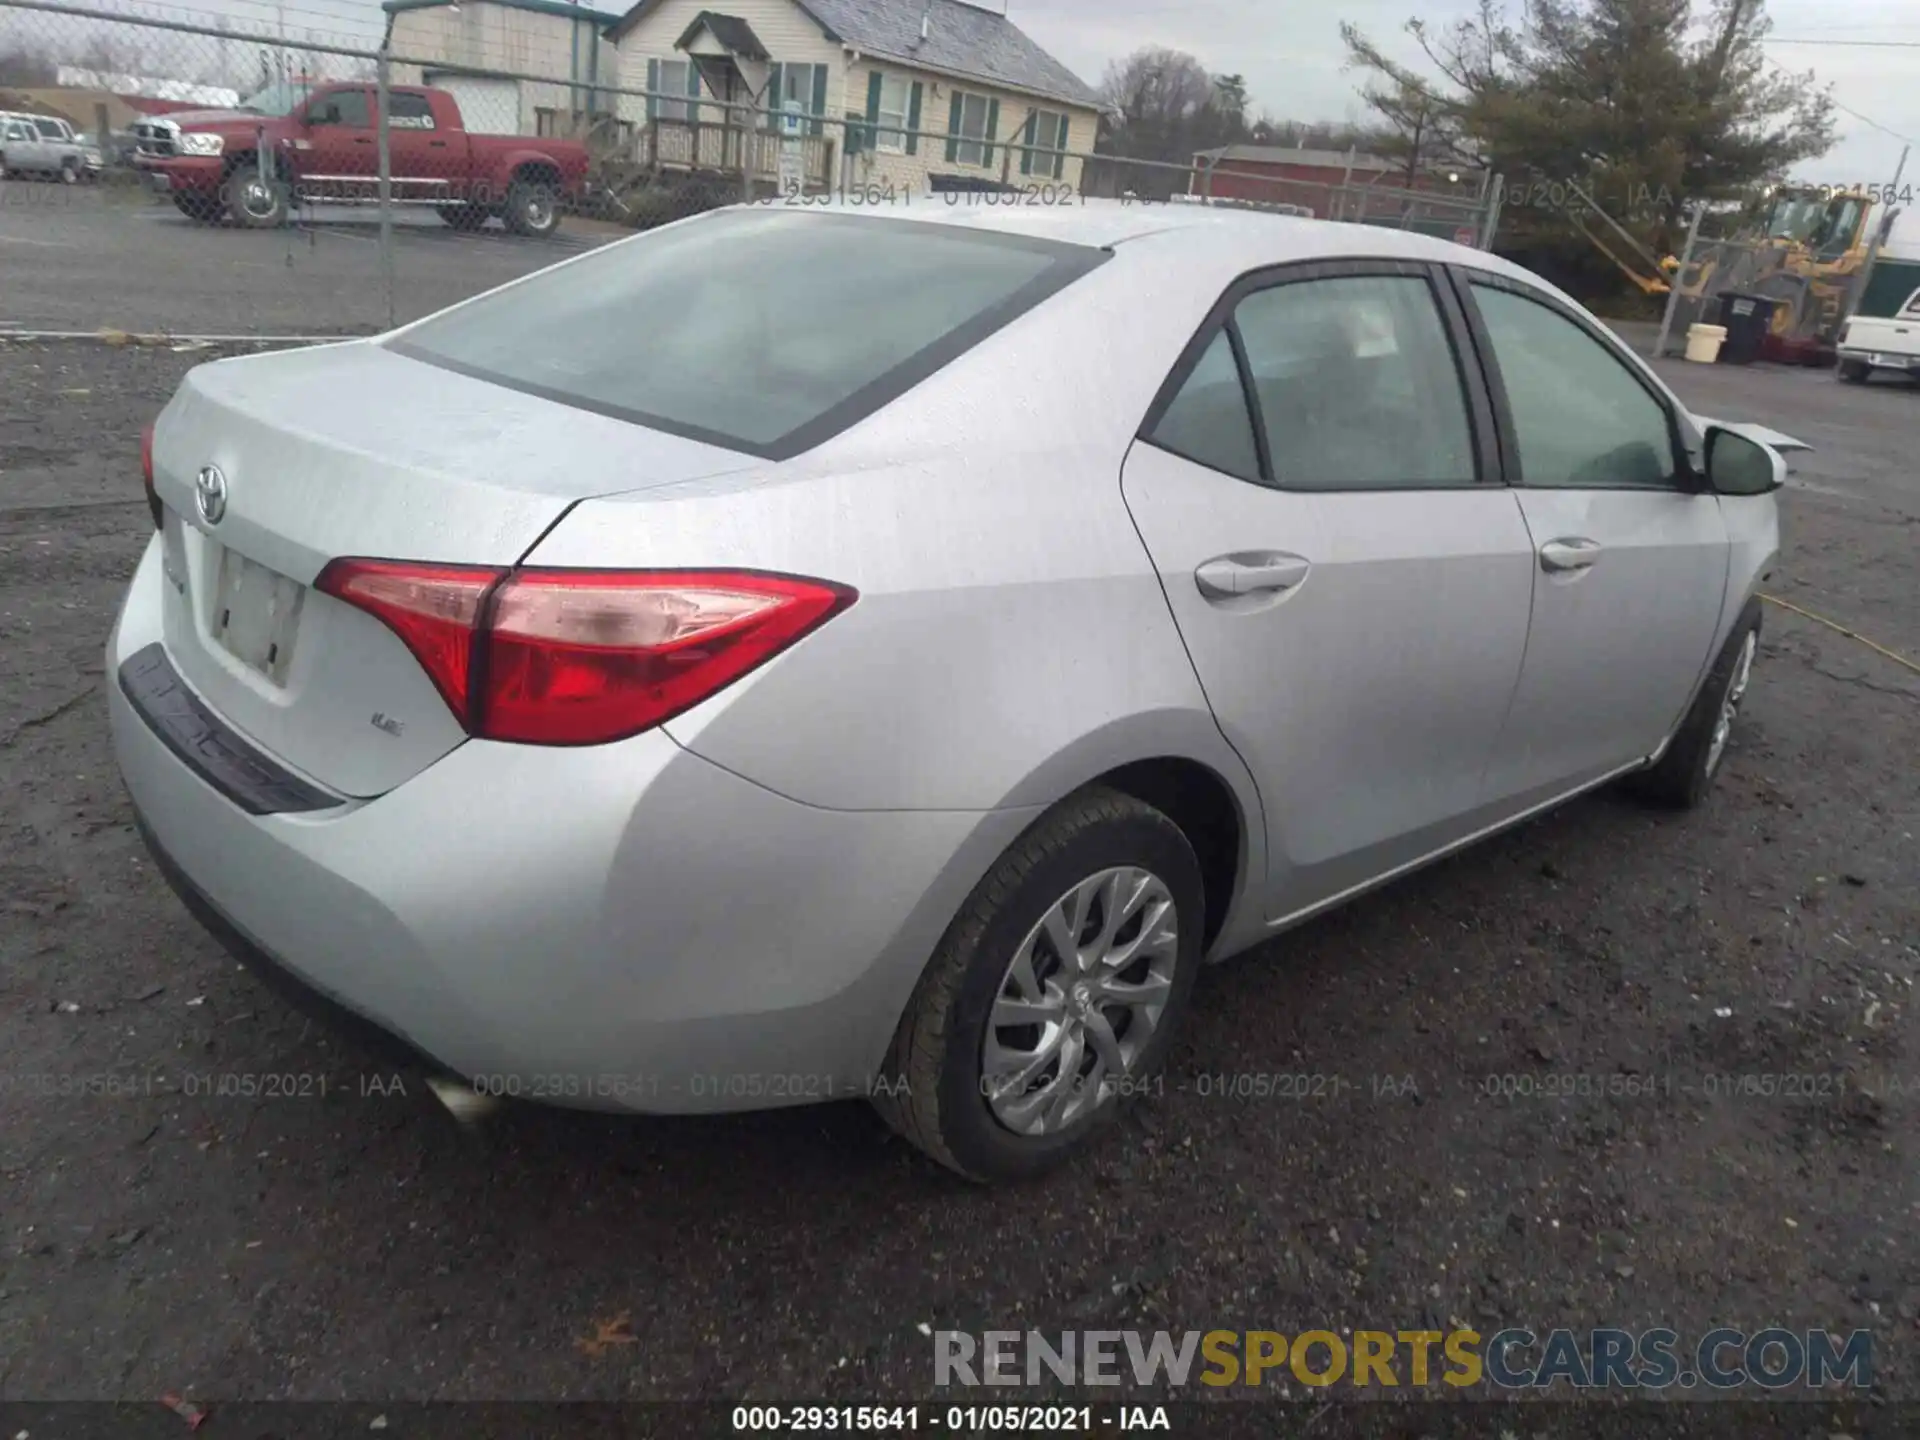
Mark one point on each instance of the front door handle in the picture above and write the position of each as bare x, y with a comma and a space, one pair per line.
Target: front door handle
1250, 573
1563, 557
363, 139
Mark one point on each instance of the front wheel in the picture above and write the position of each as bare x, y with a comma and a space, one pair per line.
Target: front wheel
1854, 372
70, 172
533, 208
255, 201
1692, 762
1055, 993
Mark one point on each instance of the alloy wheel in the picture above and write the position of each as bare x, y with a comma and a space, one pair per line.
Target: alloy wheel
1079, 1001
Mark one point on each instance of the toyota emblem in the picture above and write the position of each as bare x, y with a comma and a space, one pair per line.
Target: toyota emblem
210, 494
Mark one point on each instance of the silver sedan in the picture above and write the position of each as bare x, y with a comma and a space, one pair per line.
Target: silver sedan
803, 653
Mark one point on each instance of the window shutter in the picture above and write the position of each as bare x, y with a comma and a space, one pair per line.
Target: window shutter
953, 129
693, 89
773, 91
875, 80
993, 130
653, 84
819, 106
1026, 138
913, 119
1060, 124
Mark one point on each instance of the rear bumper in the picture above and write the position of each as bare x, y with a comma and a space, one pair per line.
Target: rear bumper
613, 927
1881, 359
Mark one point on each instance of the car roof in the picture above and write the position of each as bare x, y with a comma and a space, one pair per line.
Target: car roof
1252, 238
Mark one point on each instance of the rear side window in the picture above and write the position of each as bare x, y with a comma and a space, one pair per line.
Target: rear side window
410, 112
763, 330
1357, 385
1207, 421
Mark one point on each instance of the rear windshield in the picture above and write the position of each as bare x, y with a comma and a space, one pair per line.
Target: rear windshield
759, 329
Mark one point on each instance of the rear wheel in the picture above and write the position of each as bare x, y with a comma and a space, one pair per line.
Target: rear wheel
1854, 372
1692, 762
1054, 995
533, 208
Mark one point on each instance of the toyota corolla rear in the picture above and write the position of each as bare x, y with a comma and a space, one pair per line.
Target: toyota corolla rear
395, 687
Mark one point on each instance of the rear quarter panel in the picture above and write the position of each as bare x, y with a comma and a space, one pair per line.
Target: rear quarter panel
1011, 639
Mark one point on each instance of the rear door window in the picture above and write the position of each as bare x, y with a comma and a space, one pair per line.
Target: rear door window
1208, 421
762, 330
1357, 385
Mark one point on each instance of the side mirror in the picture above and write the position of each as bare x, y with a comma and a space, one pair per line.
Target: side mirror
1737, 465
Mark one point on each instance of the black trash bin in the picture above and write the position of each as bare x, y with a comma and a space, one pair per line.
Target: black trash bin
1749, 320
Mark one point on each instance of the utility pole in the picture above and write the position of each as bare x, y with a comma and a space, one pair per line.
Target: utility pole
1879, 234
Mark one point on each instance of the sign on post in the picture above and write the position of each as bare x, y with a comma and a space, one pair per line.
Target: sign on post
793, 164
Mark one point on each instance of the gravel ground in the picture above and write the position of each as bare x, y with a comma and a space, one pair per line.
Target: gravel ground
109, 257
357, 1245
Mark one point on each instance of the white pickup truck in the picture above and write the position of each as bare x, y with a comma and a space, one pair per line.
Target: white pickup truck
1883, 333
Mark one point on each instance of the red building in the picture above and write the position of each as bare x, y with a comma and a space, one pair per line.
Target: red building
1333, 184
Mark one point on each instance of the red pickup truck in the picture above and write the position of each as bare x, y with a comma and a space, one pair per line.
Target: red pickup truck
320, 144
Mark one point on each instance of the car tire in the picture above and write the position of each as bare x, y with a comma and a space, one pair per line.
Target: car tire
255, 202
938, 1088
1692, 761
69, 172
533, 209
1854, 372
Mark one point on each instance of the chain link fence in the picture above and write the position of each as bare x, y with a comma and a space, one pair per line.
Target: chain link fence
211, 175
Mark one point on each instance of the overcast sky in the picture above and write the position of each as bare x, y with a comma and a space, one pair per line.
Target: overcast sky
1290, 52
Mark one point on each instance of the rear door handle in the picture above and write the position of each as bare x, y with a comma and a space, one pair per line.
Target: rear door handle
436, 144
1562, 557
363, 139
1250, 573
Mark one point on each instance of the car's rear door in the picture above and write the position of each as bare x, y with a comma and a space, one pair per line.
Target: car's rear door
425, 165
1631, 549
1317, 487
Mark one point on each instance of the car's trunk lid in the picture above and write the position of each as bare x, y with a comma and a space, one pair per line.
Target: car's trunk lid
352, 450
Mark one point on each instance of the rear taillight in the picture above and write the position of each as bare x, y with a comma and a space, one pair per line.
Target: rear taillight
146, 474
434, 609
581, 657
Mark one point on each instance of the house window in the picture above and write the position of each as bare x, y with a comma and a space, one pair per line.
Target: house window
797, 86
892, 114
678, 77
545, 122
1047, 130
968, 126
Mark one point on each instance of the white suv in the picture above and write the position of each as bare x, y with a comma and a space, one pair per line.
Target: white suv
41, 145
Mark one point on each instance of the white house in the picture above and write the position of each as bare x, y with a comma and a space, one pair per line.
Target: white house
505, 42
989, 103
